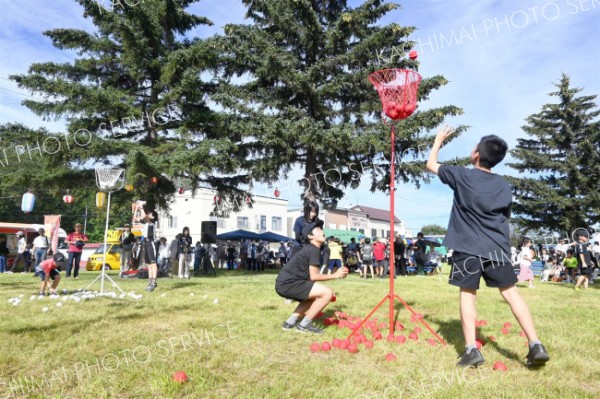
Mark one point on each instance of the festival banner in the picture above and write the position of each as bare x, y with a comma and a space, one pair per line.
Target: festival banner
52, 226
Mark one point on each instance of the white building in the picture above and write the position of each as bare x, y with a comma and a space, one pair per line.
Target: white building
266, 214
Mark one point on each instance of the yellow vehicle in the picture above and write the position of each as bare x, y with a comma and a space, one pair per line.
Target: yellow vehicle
96, 261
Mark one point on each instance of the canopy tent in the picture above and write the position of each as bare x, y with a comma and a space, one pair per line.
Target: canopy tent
435, 241
238, 235
344, 235
273, 237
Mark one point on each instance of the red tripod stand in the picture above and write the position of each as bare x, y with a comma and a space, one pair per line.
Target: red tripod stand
397, 90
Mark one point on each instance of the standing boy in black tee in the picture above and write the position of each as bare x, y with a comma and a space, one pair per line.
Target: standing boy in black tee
478, 232
297, 280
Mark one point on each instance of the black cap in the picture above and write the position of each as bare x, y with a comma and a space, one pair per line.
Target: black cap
308, 228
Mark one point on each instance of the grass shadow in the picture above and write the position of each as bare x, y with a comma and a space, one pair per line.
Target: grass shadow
451, 331
505, 352
35, 329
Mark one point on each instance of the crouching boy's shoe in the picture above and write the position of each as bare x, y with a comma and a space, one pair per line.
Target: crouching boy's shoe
309, 329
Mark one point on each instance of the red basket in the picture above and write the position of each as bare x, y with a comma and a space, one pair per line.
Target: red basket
398, 89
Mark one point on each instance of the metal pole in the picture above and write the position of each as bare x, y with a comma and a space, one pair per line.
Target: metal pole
392, 260
85, 221
105, 242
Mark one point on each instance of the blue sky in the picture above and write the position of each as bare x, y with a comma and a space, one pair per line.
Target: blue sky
501, 58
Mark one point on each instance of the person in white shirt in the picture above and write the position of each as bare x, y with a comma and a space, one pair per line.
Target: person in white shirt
21, 248
164, 257
434, 259
596, 251
147, 218
40, 247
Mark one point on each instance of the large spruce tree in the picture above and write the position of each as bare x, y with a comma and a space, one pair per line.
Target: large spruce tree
297, 82
561, 158
131, 101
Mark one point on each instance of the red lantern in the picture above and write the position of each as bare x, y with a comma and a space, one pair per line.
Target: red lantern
68, 199
154, 180
216, 199
248, 200
180, 190
277, 193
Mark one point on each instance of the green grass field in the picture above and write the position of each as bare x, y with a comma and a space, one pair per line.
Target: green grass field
130, 348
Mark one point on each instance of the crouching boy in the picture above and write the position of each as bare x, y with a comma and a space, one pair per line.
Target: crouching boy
47, 270
298, 281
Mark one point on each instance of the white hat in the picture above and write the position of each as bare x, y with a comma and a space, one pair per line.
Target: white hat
20, 233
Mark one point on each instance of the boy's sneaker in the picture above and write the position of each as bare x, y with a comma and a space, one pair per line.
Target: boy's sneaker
309, 329
471, 359
537, 356
287, 327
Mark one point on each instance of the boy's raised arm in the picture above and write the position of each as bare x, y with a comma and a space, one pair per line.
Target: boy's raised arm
432, 163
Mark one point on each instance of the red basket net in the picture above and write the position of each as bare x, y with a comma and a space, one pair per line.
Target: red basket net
398, 90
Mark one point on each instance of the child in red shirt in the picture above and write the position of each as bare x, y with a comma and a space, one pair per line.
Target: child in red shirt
47, 270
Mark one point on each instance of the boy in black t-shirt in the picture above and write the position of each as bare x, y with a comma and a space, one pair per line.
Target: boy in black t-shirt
479, 234
297, 281
584, 261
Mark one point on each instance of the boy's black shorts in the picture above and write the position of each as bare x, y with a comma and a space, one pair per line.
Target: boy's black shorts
53, 274
149, 252
585, 271
467, 271
296, 290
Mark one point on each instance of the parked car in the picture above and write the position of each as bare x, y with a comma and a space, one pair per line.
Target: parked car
113, 258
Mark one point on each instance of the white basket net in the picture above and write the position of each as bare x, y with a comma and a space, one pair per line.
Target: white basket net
110, 179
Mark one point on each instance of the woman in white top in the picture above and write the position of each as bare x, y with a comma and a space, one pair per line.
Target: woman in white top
526, 257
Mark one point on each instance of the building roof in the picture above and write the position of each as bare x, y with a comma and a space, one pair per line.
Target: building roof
375, 214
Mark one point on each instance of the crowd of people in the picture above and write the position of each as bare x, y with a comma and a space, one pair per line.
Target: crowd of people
574, 262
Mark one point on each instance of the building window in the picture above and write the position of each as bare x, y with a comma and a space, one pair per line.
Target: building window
276, 223
263, 222
373, 232
242, 222
172, 222
361, 231
221, 223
